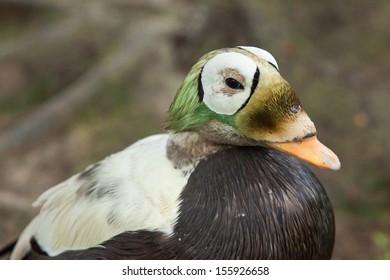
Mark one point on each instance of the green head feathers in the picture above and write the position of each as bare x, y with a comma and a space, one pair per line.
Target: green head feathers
187, 112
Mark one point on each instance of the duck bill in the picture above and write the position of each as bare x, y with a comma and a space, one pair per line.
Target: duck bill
310, 150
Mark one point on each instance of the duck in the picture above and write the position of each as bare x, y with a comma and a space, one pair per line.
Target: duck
225, 181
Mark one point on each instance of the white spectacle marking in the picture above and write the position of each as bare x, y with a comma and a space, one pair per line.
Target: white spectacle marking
142, 193
217, 95
261, 53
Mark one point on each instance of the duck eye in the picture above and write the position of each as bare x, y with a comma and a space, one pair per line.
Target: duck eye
233, 83
295, 108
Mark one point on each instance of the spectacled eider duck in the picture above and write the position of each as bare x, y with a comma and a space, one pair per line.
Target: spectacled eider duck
221, 184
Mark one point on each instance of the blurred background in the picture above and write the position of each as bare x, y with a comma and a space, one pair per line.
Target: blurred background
80, 80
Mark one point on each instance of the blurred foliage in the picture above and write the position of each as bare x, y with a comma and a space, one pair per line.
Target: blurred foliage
16, 16
383, 242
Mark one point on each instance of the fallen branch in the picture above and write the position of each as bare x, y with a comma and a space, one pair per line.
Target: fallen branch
139, 36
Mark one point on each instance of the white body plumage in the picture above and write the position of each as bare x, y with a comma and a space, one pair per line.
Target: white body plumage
135, 189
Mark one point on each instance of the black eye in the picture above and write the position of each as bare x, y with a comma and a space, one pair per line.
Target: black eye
233, 83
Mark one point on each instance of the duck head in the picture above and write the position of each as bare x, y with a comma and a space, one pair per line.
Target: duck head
236, 96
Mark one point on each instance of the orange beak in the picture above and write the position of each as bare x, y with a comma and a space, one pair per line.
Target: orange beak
310, 150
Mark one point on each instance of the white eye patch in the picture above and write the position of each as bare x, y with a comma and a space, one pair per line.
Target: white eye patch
219, 94
263, 54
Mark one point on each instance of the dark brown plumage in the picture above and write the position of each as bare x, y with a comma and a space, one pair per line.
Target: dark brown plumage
239, 203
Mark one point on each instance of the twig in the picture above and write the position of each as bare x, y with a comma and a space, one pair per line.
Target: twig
140, 36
